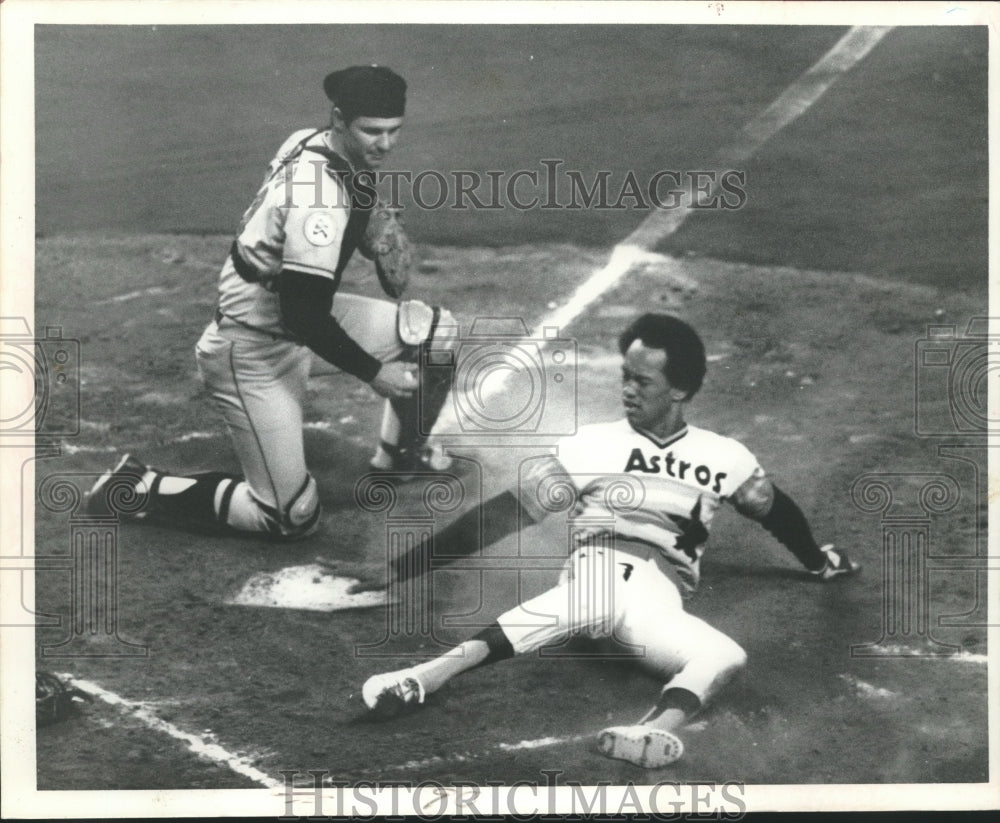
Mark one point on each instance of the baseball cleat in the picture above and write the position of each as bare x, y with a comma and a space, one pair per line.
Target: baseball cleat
408, 462
388, 694
644, 746
837, 564
124, 479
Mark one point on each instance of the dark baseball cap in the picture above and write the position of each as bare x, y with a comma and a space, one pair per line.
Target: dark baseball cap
366, 91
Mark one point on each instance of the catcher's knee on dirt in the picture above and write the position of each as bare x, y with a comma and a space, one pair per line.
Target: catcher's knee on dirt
296, 519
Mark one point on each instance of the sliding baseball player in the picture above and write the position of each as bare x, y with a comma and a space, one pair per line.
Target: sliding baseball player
646, 490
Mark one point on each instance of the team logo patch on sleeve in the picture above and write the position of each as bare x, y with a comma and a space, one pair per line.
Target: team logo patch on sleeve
320, 228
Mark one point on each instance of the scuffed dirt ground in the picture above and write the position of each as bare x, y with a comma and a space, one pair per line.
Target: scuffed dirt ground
812, 370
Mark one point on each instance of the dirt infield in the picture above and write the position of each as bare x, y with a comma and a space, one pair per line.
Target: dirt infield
819, 402
865, 224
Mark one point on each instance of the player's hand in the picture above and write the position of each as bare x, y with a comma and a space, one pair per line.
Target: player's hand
368, 585
371, 577
395, 379
838, 564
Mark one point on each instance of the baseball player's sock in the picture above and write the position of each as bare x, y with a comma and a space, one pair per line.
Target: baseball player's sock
497, 642
488, 646
669, 720
673, 708
435, 673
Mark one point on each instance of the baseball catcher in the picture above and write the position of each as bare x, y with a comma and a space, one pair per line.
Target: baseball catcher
279, 307
659, 481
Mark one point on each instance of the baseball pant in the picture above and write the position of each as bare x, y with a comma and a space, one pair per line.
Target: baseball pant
622, 593
259, 383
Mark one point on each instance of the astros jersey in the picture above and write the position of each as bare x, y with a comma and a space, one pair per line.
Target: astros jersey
297, 220
664, 493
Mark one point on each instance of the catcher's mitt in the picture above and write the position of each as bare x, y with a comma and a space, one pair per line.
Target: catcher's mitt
54, 699
386, 243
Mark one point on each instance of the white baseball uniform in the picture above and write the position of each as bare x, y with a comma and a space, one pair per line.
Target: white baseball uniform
642, 512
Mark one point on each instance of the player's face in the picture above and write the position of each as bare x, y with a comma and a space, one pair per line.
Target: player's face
367, 141
651, 403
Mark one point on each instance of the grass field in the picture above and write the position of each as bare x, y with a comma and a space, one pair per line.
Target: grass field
865, 222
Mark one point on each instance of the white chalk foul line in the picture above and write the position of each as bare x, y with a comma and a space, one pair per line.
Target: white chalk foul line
863, 689
498, 748
134, 295
198, 744
72, 448
791, 104
911, 653
660, 224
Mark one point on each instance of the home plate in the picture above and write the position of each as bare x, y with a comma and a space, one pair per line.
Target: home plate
309, 587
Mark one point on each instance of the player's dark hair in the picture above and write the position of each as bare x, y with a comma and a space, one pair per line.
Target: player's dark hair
686, 363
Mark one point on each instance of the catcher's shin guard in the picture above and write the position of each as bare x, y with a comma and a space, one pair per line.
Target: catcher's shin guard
295, 519
432, 343
205, 500
418, 414
301, 516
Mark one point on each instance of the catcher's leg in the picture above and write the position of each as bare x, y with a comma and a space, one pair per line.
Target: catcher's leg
415, 332
258, 383
431, 335
196, 497
207, 498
